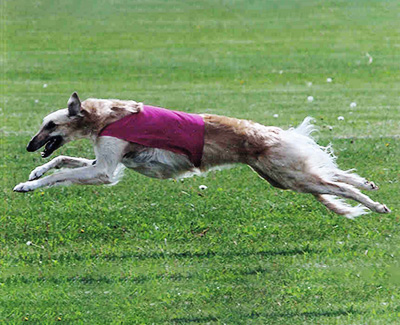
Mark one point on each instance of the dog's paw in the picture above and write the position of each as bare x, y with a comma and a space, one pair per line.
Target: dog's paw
371, 186
25, 187
381, 208
37, 173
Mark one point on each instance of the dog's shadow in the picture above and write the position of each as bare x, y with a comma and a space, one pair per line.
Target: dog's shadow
273, 316
210, 254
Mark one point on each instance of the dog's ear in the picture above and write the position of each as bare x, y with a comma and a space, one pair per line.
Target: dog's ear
74, 105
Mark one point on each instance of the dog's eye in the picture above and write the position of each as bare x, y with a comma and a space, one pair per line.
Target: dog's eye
50, 125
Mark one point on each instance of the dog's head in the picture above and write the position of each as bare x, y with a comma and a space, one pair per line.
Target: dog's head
59, 128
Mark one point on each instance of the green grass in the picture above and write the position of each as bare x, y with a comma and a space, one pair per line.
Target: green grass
134, 252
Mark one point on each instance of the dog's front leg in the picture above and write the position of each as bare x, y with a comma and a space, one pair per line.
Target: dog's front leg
109, 152
84, 175
59, 162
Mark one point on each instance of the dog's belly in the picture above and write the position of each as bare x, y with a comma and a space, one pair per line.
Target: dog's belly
158, 163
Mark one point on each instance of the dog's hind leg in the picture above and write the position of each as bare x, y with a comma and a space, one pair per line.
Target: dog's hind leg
59, 162
265, 176
321, 187
326, 192
353, 179
340, 207
301, 175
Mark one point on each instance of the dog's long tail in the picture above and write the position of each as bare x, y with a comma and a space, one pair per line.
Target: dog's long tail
319, 159
340, 207
306, 128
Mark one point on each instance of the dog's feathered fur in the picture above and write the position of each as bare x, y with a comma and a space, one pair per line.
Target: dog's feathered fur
288, 159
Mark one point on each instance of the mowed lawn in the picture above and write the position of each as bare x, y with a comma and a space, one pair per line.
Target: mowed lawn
149, 251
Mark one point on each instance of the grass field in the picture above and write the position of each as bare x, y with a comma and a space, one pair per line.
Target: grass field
140, 252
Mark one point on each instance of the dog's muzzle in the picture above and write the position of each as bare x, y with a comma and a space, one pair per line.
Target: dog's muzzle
50, 143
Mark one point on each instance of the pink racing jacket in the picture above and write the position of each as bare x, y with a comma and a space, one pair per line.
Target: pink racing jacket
156, 127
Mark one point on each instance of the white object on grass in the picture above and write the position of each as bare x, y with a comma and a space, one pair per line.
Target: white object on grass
340, 118
329, 80
370, 59
310, 98
353, 104
202, 187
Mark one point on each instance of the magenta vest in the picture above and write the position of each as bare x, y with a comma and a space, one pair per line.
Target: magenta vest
156, 127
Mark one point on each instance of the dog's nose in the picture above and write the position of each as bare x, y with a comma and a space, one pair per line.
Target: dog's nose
31, 146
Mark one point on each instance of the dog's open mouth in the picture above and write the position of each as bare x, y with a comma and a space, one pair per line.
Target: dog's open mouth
51, 145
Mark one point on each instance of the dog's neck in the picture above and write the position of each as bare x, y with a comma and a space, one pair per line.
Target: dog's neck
98, 113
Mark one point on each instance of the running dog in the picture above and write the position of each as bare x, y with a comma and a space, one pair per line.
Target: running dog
169, 144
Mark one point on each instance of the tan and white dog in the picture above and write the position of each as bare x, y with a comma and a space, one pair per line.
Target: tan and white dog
288, 159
